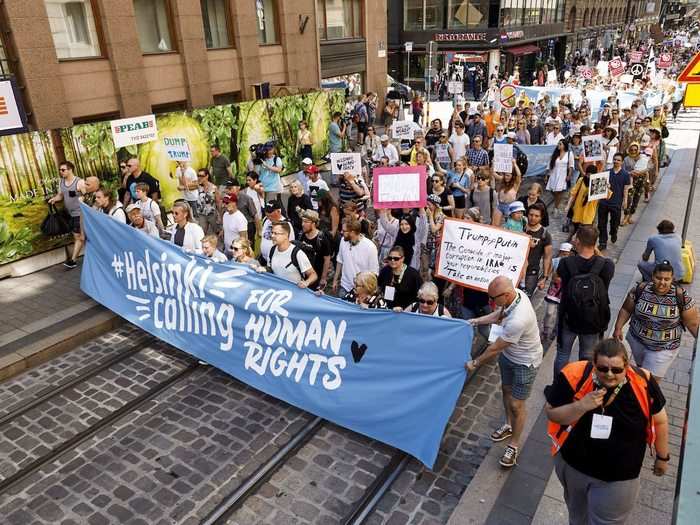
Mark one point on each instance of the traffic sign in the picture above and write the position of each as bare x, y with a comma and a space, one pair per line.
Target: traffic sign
408, 46
507, 96
691, 73
691, 98
637, 70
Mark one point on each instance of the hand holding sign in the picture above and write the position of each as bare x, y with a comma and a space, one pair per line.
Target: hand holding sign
400, 187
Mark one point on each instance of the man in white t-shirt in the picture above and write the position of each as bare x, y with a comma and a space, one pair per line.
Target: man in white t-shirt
459, 141
235, 225
388, 150
273, 214
519, 352
314, 183
356, 254
289, 261
187, 182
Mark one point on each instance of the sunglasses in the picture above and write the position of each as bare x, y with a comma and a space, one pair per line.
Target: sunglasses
236, 248
62, 169
123, 166
394, 258
429, 302
494, 297
437, 180
613, 369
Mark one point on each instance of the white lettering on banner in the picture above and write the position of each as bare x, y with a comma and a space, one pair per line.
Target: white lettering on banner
400, 187
271, 340
402, 129
473, 254
346, 162
503, 158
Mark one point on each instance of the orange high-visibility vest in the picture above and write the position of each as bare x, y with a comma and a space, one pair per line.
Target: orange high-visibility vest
580, 377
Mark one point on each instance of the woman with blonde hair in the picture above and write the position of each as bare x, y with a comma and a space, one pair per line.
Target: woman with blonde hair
366, 293
243, 252
185, 232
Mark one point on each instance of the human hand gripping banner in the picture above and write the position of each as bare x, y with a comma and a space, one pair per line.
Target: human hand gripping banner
394, 377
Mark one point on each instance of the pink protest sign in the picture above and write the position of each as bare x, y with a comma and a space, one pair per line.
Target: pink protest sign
400, 187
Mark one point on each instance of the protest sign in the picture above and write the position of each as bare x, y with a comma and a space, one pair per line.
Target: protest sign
400, 187
455, 86
598, 186
665, 60
503, 158
507, 96
472, 254
344, 162
134, 130
177, 148
626, 79
635, 56
616, 67
323, 355
592, 148
402, 129
538, 156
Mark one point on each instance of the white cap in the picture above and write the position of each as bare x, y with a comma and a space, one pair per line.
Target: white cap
384, 138
307, 161
565, 247
512, 135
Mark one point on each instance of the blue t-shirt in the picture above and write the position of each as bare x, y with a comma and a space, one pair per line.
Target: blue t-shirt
335, 142
618, 181
666, 246
269, 179
463, 180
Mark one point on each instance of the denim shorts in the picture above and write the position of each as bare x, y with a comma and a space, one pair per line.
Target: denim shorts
519, 377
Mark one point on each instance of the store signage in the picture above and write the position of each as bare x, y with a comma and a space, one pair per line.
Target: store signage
133, 131
460, 37
12, 116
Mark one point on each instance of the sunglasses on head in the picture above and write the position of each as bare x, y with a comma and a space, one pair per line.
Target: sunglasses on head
613, 369
429, 302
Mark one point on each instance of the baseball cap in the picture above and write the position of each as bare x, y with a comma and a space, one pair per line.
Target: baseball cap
310, 215
565, 247
511, 135
272, 206
132, 207
384, 138
516, 206
307, 161
312, 169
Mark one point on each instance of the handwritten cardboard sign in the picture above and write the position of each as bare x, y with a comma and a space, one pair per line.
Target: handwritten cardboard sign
402, 129
400, 187
503, 158
346, 162
177, 148
473, 254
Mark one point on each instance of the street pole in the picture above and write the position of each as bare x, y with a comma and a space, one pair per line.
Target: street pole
691, 194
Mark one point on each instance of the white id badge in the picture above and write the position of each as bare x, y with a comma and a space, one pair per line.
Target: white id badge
495, 332
389, 293
601, 426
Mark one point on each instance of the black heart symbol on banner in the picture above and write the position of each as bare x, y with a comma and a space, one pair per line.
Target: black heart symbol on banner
358, 351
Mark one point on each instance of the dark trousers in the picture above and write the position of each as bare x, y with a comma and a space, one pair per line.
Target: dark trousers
614, 212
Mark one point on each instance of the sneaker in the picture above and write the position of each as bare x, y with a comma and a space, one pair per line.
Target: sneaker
502, 433
510, 457
70, 264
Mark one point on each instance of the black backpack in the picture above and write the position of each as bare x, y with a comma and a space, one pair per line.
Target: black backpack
297, 246
587, 309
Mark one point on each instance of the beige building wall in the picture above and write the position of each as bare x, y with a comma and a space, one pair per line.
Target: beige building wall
126, 82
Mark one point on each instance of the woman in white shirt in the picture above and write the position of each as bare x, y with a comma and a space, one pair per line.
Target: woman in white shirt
561, 166
186, 233
106, 203
187, 182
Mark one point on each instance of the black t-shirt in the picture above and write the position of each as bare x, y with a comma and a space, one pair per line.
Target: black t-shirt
572, 266
145, 177
545, 217
474, 300
179, 237
539, 240
321, 247
619, 457
406, 290
303, 203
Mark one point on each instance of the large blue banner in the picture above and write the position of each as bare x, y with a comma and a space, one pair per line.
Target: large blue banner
392, 376
538, 156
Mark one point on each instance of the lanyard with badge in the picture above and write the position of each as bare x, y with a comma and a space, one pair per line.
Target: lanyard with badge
390, 291
601, 426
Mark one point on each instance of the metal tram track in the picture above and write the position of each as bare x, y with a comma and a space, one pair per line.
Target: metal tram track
104, 422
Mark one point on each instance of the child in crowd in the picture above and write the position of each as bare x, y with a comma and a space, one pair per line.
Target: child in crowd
516, 222
553, 297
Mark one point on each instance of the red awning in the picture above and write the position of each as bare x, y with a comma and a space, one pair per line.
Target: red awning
525, 49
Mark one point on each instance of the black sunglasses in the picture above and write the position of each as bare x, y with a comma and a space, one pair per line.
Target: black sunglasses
429, 302
613, 369
394, 258
494, 297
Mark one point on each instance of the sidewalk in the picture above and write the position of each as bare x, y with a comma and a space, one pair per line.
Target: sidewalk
531, 493
44, 314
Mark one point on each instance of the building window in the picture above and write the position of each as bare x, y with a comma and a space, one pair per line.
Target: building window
512, 12
420, 15
73, 28
339, 19
153, 25
267, 21
216, 24
467, 13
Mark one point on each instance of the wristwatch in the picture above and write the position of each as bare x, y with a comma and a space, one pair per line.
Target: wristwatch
667, 458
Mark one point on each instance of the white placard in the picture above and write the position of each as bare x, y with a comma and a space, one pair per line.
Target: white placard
626, 79
400, 187
408, 46
592, 148
344, 162
598, 186
402, 129
472, 254
177, 148
552, 75
10, 117
503, 158
455, 86
495, 332
135, 130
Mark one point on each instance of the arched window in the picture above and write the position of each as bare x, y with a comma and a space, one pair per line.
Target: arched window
572, 20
